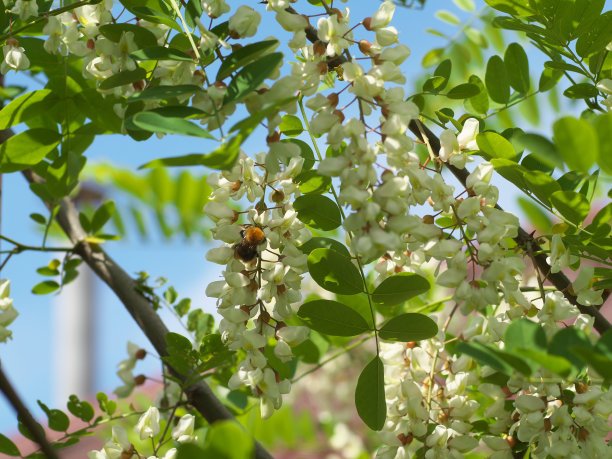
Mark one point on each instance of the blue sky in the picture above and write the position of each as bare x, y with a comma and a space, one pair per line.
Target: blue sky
28, 358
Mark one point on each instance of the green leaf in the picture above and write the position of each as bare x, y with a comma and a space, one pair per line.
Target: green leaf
83, 410
27, 148
318, 212
155, 122
26, 432
223, 157
38, 218
513, 7
57, 419
463, 91
242, 56
604, 344
157, 17
432, 57
444, 69
313, 182
311, 350
540, 147
573, 206
370, 395
291, 126
47, 271
143, 37
334, 272
177, 343
160, 53
465, 5
523, 333
8, 447
434, 84
448, 17
603, 127
577, 142
496, 80
601, 363
536, 216
332, 318
251, 76
558, 365
596, 37
224, 440
165, 92
123, 78
581, 91
305, 152
399, 288
102, 215
477, 37
563, 66
548, 79
540, 184
10, 92
45, 287
517, 67
325, 243
179, 111
408, 327
27, 106
484, 355
480, 102
495, 146
563, 342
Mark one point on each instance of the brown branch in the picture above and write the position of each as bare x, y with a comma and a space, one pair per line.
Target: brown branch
25, 417
559, 280
124, 286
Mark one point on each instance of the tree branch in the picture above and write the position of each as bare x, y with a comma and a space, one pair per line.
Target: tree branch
25, 417
559, 280
199, 394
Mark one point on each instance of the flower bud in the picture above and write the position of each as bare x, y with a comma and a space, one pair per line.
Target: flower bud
148, 424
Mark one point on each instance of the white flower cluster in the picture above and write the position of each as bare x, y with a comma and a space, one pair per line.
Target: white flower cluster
148, 426
557, 418
8, 313
262, 277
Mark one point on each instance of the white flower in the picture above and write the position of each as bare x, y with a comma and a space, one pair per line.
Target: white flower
215, 8
244, 22
291, 22
148, 424
332, 32
293, 335
118, 443
7, 312
183, 432
605, 85
383, 16
467, 137
581, 287
25, 9
397, 54
14, 57
386, 36
559, 257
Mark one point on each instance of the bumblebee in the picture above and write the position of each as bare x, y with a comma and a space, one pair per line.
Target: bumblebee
246, 249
